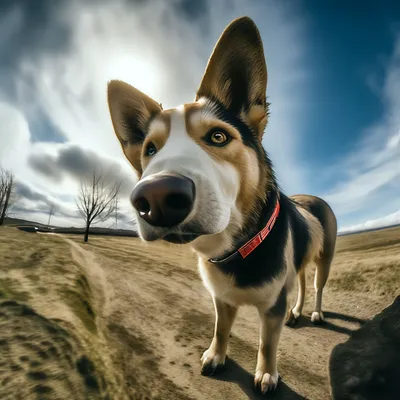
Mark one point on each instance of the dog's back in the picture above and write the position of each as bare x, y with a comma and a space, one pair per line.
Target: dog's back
324, 214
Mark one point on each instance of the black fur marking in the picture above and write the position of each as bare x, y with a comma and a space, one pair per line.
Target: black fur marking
136, 133
300, 234
249, 137
227, 115
318, 209
238, 74
267, 261
279, 308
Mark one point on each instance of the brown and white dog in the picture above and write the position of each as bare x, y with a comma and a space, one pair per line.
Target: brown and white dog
205, 179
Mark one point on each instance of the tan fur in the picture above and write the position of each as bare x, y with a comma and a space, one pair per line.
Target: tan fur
225, 315
235, 77
266, 376
199, 121
125, 100
231, 48
256, 117
133, 154
158, 133
321, 252
229, 298
316, 236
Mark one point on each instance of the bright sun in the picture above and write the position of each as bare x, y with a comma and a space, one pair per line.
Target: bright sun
137, 71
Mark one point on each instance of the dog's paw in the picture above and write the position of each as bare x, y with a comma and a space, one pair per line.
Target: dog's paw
291, 318
211, 362
265, 382
317, 318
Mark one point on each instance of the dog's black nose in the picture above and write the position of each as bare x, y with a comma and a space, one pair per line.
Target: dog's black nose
165, 200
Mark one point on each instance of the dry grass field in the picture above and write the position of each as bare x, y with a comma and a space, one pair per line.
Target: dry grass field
119, 319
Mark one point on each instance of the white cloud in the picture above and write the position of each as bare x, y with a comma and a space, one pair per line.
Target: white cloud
14, 138
156, 49
388, 220
373, 165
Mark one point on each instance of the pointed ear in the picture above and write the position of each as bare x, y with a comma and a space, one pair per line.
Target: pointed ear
130, 110
236, 74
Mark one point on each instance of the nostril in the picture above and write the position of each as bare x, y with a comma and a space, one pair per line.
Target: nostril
142, 205
164, 201
177, 201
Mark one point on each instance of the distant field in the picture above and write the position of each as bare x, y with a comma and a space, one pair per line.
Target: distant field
118, 319
29, 225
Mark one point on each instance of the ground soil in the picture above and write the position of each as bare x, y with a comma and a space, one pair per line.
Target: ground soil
120, 319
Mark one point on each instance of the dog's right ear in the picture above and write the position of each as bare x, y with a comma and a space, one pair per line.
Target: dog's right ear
130, 110
236, 74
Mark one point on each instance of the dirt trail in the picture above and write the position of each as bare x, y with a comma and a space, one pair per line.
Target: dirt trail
96, 276
52, 339
124, 320
161, 318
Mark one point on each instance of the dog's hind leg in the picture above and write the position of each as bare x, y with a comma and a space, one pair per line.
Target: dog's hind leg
213, 359
294, 313
321, 276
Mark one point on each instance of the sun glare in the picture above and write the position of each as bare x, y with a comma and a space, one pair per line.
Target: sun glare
136, 70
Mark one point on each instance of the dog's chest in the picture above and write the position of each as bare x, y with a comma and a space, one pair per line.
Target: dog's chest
223, 286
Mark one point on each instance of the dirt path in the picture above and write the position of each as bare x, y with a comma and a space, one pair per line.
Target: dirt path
96, 276
118, 319
161, 319
53, 342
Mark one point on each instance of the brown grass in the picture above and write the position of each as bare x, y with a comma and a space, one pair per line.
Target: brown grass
120, 318
368, 263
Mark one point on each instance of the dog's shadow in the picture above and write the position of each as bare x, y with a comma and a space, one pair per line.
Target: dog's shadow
304, 321
234, 373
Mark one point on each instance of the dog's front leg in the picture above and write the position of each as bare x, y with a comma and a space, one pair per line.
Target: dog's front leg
214, 358
271, 322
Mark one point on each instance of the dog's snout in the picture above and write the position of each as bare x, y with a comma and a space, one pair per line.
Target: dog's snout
164, 200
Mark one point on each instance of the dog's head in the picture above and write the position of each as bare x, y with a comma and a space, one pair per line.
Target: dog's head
201, 166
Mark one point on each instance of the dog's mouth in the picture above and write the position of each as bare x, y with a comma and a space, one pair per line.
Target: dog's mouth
180, 238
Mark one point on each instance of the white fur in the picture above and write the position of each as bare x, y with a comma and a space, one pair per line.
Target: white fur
158, 125
211, 356
317, 317
217, 184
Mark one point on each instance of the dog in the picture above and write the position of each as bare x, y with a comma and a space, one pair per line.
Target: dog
206, 180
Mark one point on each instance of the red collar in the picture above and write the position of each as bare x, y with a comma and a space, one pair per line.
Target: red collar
254, 242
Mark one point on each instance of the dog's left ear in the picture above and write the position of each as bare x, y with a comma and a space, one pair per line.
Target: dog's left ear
130, 111
236, 74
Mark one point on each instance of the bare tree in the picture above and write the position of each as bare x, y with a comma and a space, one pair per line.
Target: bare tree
7, 193
116, 211
96, 200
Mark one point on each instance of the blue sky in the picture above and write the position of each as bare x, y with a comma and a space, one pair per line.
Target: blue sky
350, 47
334, 88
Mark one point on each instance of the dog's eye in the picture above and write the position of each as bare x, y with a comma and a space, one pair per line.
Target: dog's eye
218, 138
150, 150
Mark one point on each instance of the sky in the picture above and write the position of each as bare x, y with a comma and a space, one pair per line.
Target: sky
333, 85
